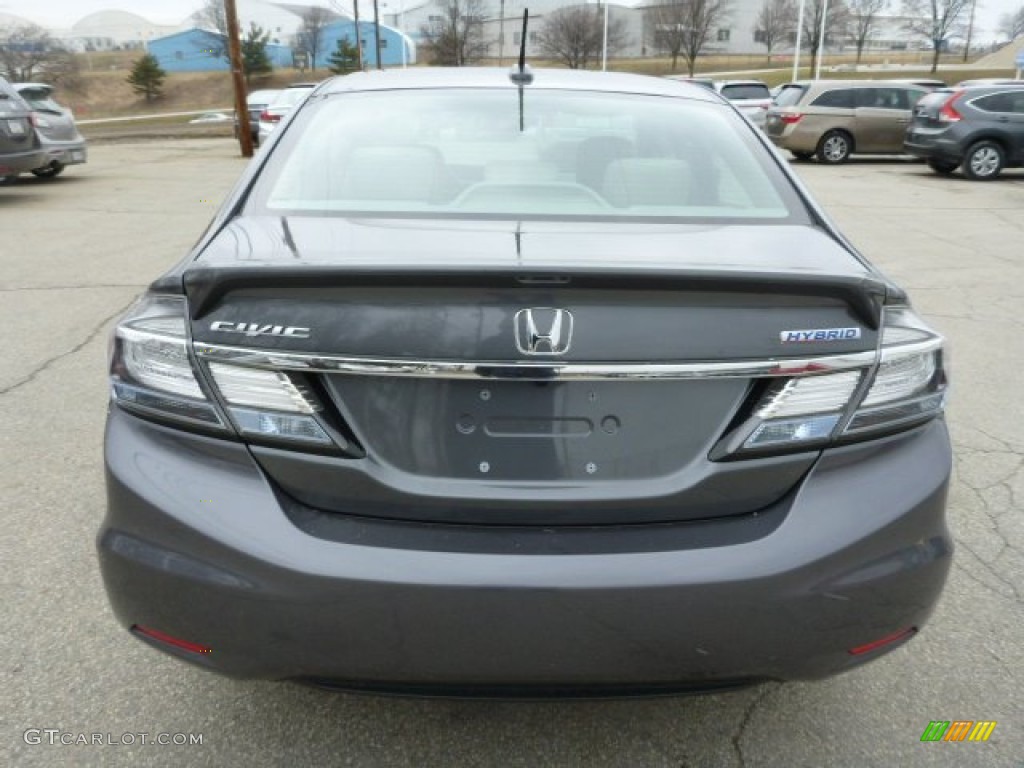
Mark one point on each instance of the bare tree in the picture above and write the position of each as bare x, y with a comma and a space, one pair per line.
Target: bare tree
212, 18
575, 35
863, 18
1012, 24
936, 21
837, 19
682, 27
29, 52
776, 21
455, 37
310, 36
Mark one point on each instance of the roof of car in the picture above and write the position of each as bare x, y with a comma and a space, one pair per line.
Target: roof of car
850, 83
741, 82
495, 77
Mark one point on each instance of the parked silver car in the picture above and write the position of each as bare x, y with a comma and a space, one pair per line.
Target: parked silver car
284, 102
55, 125
751, 97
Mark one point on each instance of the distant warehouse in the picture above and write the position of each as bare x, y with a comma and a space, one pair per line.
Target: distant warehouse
200, 50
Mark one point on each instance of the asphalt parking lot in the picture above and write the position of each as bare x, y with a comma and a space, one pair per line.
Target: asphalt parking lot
74, 252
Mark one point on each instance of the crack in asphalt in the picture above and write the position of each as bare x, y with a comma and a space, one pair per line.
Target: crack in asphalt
994, 497
748, 715
97, 329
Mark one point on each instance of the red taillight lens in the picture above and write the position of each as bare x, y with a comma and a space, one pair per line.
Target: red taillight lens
266, 117
791, 118
948, 113
166, 639
874, 645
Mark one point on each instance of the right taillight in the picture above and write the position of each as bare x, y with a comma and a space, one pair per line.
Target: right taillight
790, 118
910, 382
905, 387
948, 113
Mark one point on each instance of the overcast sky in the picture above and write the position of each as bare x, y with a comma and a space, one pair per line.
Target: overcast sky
64, 13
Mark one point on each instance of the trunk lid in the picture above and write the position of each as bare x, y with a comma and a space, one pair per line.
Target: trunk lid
418, 329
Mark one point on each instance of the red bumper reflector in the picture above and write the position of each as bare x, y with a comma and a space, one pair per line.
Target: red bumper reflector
185, 645
902, 634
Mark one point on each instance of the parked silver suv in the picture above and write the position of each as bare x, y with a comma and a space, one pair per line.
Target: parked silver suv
19, 146
55, 124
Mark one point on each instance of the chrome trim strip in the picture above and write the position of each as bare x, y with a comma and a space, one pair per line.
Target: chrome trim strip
531, 370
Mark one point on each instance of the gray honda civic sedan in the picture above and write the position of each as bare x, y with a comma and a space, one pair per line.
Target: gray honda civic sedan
497, 383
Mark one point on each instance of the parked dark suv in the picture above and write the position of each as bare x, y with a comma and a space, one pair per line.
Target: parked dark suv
550, 382
979, 129
20, 150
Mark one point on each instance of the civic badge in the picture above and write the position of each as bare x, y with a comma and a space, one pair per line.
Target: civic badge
543, 331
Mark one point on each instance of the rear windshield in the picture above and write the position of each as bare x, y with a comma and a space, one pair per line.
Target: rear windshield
40, 99
746, 91
291, 96
547, 154
790, 95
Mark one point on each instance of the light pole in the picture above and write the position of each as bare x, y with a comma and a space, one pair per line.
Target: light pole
970, 32
821, 41
501, 34
799, 39
604, 47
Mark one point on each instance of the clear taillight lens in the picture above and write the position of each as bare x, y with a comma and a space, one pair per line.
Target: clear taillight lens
150, 369
152, 375
907, 387
910, 383
269, 404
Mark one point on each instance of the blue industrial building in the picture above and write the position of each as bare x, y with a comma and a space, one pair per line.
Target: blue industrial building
198, 50
391, 44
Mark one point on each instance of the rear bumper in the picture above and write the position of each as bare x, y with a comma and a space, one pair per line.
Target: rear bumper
12, 164
71, 152
196, 544
934, 149
795, 140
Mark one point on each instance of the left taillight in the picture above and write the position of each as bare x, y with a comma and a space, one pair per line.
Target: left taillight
151, 371
153, 375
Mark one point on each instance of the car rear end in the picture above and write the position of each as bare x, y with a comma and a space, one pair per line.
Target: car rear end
751, 97
933, 130
424, 414
784, 119
980, 128
20, 149
257, 102
283, 102
55, 124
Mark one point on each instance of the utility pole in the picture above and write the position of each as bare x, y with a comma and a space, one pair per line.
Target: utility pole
235, 52
376, 33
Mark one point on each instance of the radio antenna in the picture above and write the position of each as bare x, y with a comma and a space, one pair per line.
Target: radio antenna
520, 75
